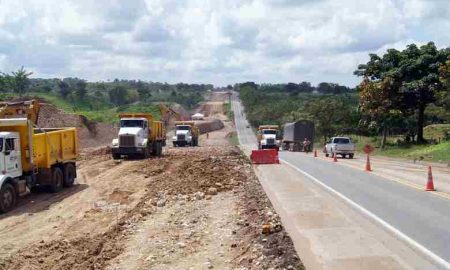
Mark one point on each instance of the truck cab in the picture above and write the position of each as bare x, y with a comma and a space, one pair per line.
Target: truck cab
186, 133
139, 135
133, 136
10, 155
267, 137
183, 135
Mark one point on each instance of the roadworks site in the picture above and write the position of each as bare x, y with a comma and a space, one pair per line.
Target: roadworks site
193, 208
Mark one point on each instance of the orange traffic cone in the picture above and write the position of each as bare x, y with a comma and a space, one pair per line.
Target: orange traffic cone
368, 167
315, 152
334, 157
430, 185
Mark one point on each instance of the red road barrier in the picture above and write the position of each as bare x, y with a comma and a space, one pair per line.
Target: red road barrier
430, 184
269, 156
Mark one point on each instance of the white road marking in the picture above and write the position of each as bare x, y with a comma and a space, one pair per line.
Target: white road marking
432, 256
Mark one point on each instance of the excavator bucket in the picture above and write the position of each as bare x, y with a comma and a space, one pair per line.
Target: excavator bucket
269, 156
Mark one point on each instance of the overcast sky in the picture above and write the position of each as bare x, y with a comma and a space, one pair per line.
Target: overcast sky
217, 41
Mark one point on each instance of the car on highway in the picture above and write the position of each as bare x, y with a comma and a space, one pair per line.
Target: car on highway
340, 146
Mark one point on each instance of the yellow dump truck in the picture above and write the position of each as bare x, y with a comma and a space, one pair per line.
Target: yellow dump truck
139, 135
34, 157
267, 137
186, 133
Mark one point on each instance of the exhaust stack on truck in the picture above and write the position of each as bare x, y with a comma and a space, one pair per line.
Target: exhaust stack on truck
139, 135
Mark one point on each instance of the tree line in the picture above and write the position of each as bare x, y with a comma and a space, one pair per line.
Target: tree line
101, 94
400, 92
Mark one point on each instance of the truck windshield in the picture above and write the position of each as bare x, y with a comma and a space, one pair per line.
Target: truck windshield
341, 140
183, 127
268, 131
132, 123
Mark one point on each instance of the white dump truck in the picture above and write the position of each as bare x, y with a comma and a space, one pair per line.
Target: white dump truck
139, 135
186, 133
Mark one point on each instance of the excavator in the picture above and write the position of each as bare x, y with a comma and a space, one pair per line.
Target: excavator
167, 113
29, 109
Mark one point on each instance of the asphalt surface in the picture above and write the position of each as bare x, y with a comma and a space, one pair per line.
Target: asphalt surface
420, 215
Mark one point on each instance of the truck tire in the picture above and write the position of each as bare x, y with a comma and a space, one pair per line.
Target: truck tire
70, 174
8, 198
57, 180
115, 156
174, 144
350, 156
160, 148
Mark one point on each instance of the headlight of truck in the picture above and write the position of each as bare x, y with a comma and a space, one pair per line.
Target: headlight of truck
115, 142
263, 142
174, 138
189, 137
141, 144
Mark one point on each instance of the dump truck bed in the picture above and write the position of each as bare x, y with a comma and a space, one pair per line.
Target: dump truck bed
54, 145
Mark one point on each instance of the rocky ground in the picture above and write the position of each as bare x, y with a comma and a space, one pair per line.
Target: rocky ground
194, 208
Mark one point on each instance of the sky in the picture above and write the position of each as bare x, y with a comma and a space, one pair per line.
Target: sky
216, 41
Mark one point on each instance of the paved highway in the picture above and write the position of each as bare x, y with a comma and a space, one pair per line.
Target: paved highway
422, 217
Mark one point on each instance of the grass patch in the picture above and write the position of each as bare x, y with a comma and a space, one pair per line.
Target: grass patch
228, 111
233, 138
437, 152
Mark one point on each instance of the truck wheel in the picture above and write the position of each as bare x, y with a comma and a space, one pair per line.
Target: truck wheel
350, 156
160, 149
343, 155
57, 180
8, 198
115, 156
69, 174
174, 144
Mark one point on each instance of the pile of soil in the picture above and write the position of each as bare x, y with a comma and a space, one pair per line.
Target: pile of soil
209, 125
90, 133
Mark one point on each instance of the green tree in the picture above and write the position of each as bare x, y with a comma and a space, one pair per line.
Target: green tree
118, 95
64, 88
81, 89
414, 76
21, 81
330, 115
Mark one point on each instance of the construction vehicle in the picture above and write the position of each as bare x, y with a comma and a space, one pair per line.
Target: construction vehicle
139, 135
33, 157
267, 137
186, 133
295, 134
167, 113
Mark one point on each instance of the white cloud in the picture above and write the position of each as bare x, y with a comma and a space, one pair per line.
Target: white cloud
220, 41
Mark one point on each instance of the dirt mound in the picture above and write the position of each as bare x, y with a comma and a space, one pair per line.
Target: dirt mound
221, 169
209, 126
90, 133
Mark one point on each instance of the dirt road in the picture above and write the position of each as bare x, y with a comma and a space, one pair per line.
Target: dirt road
193, 208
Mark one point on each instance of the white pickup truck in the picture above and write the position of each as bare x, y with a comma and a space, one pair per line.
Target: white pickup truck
340, 146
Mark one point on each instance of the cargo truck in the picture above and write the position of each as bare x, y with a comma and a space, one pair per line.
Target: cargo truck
294, 135
267, 137
34, 157
139, 135
186, 133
